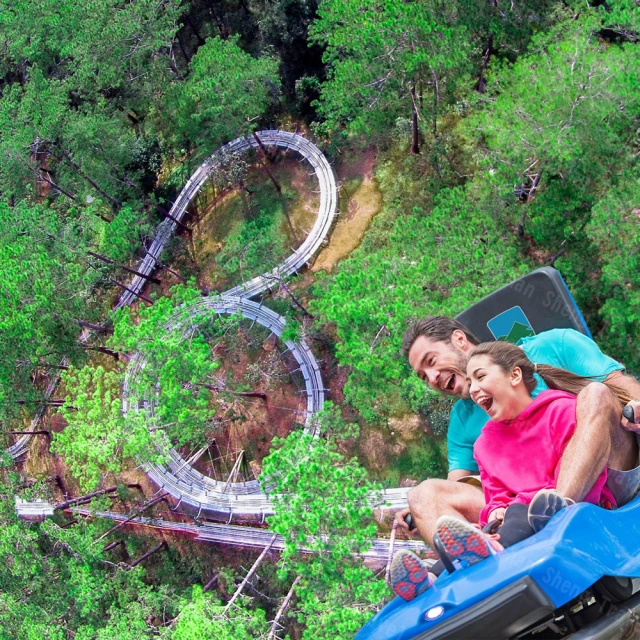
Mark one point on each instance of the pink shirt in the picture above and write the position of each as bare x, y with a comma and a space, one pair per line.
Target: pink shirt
519, 457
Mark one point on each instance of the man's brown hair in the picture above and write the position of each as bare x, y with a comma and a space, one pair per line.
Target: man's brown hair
438, 328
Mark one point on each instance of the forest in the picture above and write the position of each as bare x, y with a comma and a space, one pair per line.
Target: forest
467, 142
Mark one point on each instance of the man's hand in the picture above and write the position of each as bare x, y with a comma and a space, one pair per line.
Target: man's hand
399, 521
635, 425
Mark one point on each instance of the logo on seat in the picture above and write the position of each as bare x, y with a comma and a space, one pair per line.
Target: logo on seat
511, 325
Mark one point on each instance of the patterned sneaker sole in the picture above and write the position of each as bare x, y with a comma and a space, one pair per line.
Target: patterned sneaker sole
545, 504
409, 575
463, 541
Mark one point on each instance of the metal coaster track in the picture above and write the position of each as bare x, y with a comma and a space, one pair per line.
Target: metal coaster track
195, 493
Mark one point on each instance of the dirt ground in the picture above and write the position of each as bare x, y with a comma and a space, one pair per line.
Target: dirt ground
360, 201
249, 424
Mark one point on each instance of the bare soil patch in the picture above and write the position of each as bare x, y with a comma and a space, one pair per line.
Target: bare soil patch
360, 201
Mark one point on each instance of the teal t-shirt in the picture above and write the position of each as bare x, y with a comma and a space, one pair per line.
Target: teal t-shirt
565, 348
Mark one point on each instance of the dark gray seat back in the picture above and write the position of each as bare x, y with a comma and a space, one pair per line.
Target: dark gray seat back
529, 305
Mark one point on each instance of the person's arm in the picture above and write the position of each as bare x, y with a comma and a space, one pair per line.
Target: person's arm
496, 495
461, 436
632, 386
456, 474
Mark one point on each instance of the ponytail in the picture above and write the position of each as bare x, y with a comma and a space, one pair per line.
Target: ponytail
564, 380
507, 356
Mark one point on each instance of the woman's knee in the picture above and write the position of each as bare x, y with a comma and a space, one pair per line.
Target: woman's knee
457, 495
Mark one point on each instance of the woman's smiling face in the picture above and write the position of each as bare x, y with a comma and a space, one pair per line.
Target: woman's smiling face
497, 392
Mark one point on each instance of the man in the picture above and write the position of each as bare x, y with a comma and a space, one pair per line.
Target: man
438, 349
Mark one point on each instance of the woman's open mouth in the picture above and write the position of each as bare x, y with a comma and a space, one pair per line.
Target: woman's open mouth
485, 402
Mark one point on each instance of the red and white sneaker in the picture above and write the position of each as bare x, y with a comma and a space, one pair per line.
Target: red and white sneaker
409, 575
465, 542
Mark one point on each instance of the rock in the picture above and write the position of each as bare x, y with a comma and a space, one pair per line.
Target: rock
256, 467
270, 343
407, 427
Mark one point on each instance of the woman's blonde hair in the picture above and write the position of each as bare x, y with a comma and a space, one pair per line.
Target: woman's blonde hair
507, 356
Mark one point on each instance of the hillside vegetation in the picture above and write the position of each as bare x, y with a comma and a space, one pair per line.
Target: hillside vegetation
504, 136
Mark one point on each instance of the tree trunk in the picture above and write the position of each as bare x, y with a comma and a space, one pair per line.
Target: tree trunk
182, 225
246, 394
297, 302
415, 138
121, 266
67, 157
39, 432
212, 583
135, 293
283, 608
48, 365
481, 84
136, 513
142, 558
89, 496
250, 574
112, 545
177, 275
188, 20
98, 328
184, 53
264, 149
436, 103
60, 189
69, 523
108, 352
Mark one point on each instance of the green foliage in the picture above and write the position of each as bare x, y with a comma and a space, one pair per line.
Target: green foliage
224, 93
614, 228
387, 59
122, 235
168, 396
568, 112
98, 437
62, 60
332, 425
457, 255
323, 502
177, 363
44, 293
71, 588
258, 245
201, 619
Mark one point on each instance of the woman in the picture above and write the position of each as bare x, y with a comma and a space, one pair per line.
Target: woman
518, 454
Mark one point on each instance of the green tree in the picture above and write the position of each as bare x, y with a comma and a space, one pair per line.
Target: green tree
324, 503
57, 583
388, 60
79, 78
202, 618
456, 255
614, 229
45, 291
224, 93
169, 395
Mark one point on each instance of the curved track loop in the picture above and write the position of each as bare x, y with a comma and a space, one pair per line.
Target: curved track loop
299, 258
194, 492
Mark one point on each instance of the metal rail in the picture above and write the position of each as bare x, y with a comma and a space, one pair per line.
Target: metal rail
237, 535
194, 492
